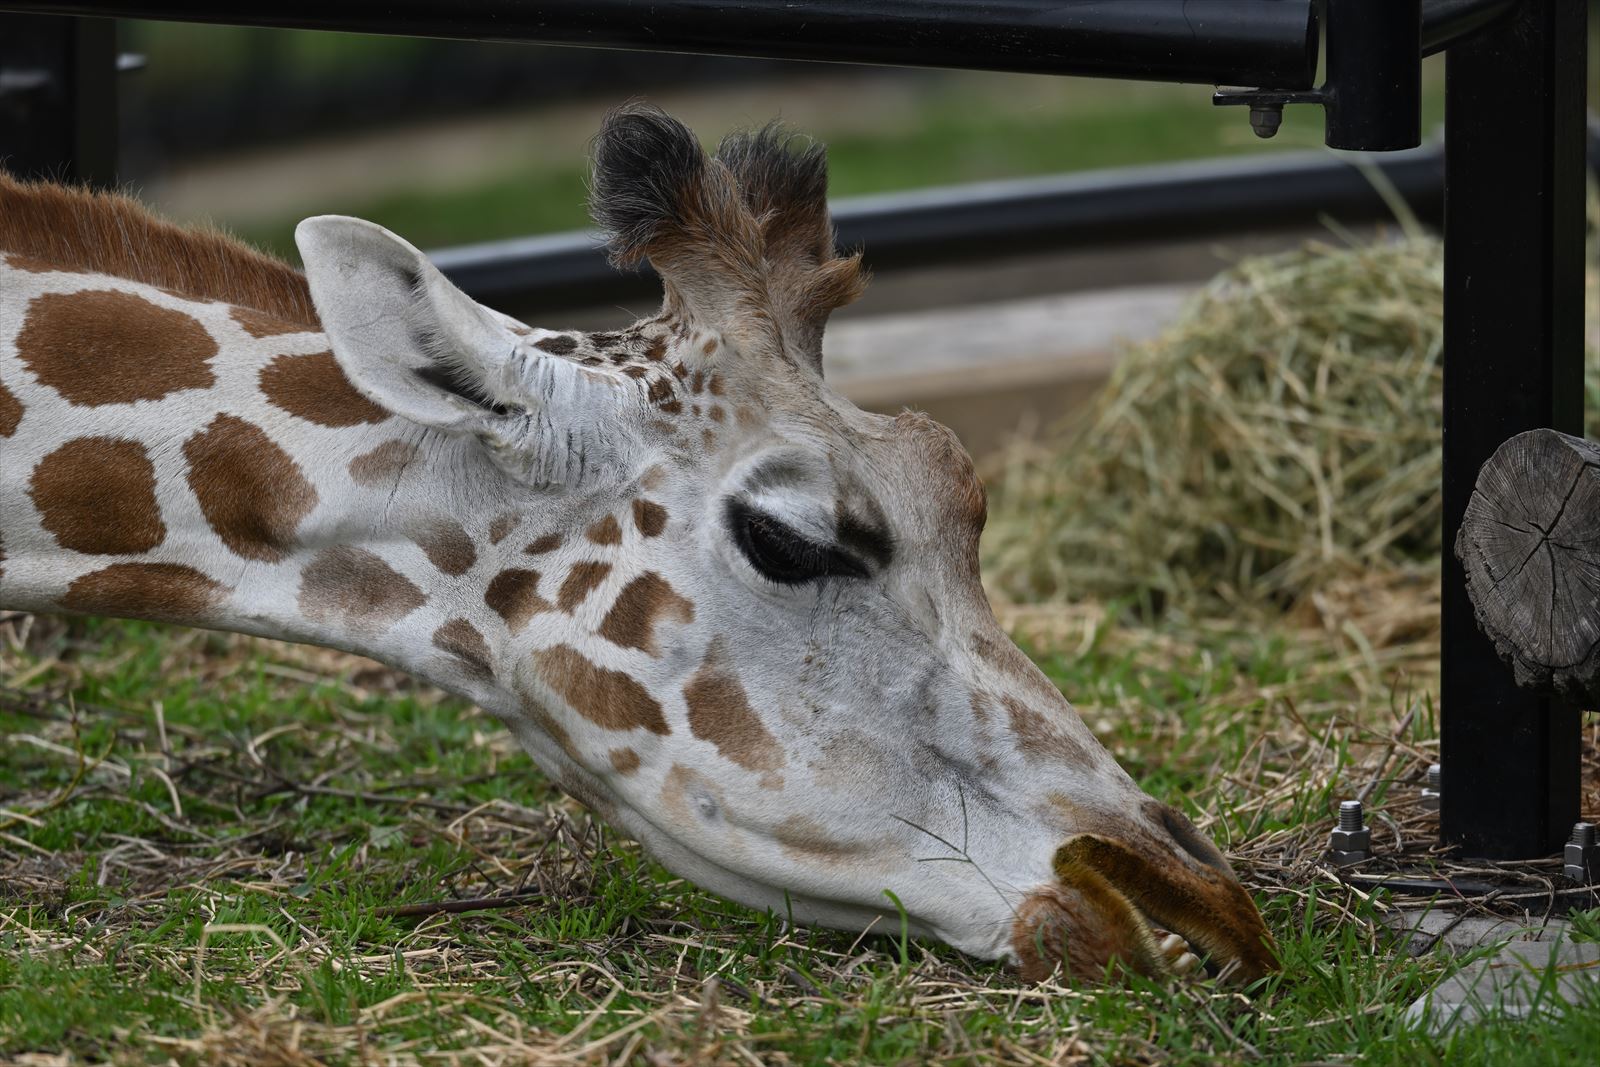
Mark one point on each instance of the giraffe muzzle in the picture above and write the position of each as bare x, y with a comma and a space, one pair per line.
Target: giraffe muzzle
1111, 905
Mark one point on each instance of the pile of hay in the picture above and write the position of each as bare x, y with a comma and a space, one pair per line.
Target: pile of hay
1283, 436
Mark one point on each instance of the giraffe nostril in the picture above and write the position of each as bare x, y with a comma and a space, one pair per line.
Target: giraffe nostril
1189, 838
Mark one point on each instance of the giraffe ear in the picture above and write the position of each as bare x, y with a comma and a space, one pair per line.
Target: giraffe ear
412, 342
404, 335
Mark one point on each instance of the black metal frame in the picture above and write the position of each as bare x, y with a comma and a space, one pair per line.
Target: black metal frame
1513, 342
1513, 199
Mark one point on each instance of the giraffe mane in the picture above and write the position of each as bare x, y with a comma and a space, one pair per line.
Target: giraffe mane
82, 230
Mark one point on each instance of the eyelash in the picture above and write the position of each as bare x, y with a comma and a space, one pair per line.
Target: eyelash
783, 556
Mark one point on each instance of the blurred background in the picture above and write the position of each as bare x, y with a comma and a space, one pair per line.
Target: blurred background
450, 142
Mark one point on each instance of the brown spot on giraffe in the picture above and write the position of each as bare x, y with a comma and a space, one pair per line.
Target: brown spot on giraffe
448, 547
542, 544
251, 492
383, 464
623, 760
98, 495
715, 384
653, 478
806, 841
643, 602
656, 349
708, 440
660, 391
259, 324
501, 527
10, 411
462, 640
514, 596
345, 586
102, 346
580, 582
164, 592
719, 712
315, 389
716, 413
605, 532
635, 372
1039, 738
649, 517
607, 698
557, 344
710, 346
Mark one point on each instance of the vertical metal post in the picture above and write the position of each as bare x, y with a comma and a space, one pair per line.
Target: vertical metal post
58, 103
1513, 360
1373, 94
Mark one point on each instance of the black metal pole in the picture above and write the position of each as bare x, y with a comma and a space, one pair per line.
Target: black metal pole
1373, 94
1513, 359
58, 98
1233, 42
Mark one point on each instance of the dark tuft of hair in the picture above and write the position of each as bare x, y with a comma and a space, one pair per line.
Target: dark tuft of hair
777, 171
644, 162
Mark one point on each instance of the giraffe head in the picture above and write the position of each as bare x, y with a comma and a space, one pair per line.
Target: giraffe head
742, 618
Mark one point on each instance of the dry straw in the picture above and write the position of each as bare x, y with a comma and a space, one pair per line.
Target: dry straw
1282, 436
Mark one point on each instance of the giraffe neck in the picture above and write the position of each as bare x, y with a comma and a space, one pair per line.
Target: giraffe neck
192, 462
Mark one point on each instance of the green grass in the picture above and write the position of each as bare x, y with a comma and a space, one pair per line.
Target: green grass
281, 817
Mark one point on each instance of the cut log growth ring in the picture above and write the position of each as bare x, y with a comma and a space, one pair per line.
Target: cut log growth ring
1530, 544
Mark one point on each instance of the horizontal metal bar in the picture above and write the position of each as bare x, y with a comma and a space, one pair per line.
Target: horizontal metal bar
1229, 42
1446, 21
977, 222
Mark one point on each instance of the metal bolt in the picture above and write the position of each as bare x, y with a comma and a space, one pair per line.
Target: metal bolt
1351, 842
1431, 791
1582, 854
1265, 119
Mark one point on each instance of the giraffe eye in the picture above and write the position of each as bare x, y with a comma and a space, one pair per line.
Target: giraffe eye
783, 555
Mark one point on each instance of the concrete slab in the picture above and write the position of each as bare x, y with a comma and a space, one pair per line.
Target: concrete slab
1524, 979
1447, 930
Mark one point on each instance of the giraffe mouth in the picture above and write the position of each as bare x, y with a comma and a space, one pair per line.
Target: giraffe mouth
1112, 905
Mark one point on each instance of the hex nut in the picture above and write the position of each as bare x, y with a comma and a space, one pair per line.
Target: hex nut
1344, 858
1350, 841
1582, 863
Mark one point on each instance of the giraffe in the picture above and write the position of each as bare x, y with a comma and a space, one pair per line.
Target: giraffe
729, 612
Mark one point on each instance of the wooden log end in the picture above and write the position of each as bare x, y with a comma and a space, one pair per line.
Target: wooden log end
1530, 546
